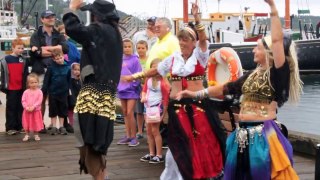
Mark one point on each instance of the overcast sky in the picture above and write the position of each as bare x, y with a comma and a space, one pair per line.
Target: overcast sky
173, 8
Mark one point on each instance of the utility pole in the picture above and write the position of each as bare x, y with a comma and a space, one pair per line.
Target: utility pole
47, 5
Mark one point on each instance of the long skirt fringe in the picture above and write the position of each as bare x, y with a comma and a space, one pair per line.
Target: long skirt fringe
255, 153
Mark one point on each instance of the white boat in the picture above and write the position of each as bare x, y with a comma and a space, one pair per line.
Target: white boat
8, 20
224, 30
9, 28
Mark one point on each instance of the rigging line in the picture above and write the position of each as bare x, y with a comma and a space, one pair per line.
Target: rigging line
27, 8
166, 8
169, 12
307, 4
206, 5
26, 17
162, 7
159, 7
302, 5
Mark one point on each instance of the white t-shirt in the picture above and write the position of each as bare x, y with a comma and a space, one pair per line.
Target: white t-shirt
154, 95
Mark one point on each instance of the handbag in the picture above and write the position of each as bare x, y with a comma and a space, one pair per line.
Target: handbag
153, 114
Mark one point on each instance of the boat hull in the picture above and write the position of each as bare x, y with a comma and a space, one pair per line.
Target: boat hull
308, 52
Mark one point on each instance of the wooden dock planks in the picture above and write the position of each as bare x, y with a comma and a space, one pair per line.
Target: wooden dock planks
55, 158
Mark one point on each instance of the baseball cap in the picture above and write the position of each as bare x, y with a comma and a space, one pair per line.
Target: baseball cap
47, 13
152, 19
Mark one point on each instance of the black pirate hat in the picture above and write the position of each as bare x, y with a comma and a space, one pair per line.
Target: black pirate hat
101, 8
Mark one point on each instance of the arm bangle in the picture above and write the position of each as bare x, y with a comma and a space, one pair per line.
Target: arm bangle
206, 93
139, 75
199, 27
202, 94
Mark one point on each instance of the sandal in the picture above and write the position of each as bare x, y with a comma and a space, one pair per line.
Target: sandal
26, 138
36, 138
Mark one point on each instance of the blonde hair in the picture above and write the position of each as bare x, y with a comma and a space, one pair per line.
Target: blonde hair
154, 80
295, 83
30, 76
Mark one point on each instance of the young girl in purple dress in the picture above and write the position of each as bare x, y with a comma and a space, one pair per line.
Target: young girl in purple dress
129, 93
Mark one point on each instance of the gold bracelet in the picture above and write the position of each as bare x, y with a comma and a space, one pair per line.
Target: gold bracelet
273, 14
199, 27
139, 75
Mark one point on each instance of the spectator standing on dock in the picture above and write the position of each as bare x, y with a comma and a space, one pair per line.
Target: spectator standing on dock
195, 137
56, 85
13, 75
147, 34
73, 55
101, 60
129, 93
42, 43
142, 48
258, 149
31, 102
155, 94
74, 89
166, 44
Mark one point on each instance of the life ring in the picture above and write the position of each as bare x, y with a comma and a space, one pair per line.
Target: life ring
223, 66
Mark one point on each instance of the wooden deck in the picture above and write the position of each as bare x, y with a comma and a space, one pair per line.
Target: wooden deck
55, 158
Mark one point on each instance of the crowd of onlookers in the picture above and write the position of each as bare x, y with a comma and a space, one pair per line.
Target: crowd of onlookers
52, 76
51, 73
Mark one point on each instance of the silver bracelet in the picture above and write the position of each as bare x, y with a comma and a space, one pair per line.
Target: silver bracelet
202, 94
206, 93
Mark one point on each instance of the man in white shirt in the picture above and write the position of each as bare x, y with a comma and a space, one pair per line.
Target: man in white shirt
147, 34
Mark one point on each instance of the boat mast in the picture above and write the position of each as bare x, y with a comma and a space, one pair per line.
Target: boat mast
185, 11
21, 11
287, 15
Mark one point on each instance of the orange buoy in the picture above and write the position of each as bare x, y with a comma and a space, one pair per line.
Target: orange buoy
223, 66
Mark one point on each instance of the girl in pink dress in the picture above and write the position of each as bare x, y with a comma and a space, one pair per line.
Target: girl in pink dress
31, 102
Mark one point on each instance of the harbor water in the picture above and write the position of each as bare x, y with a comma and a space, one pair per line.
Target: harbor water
304, 117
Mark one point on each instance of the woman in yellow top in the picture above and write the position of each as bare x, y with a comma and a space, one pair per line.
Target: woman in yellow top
257, 149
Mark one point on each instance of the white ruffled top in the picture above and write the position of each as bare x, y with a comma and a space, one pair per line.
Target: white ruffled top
184, 68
